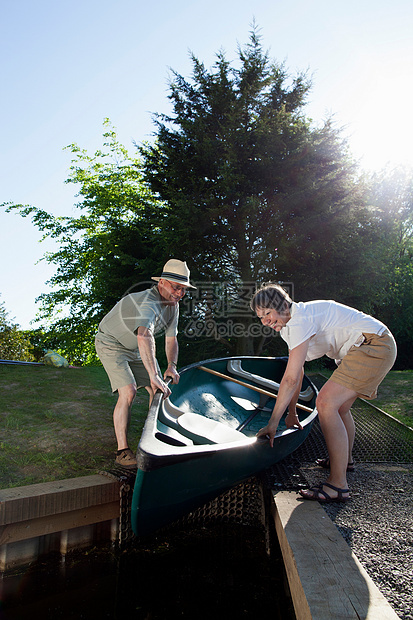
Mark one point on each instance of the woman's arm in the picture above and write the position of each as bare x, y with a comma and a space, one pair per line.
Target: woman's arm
292, 418
289, 389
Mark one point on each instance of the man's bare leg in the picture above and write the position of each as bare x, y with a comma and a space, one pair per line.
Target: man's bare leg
121, 414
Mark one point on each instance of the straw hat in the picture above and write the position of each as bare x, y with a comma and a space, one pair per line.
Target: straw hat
175, 271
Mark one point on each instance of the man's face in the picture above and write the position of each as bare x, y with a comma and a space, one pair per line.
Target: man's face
171, 292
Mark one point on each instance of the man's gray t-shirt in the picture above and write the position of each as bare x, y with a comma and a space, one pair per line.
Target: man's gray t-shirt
143, 309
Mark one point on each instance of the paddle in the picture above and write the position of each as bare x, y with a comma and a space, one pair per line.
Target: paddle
248, 385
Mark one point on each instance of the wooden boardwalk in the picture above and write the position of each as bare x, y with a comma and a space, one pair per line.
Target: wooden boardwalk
326, 580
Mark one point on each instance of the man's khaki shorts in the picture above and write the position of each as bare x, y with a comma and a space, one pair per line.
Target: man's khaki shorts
364, 367
122, 366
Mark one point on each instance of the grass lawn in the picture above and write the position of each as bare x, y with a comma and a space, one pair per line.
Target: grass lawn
56, 423
395, 396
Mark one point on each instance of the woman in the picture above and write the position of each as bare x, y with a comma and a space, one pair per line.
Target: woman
364, 350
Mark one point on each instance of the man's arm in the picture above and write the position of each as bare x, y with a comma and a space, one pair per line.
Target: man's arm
146, 345
288, 389
171, 350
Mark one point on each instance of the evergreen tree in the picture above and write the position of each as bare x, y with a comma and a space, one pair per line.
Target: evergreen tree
253, 192
392, 212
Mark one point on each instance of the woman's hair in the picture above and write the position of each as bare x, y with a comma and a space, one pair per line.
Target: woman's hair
271, 296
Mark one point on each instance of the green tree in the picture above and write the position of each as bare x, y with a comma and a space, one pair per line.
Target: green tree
104, 252
253, 191
392, 209
14, 344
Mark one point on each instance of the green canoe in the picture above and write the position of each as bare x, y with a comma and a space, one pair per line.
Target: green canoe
201, 440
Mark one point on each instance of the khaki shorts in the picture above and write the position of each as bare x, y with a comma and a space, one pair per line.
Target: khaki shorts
122, 366
364, 367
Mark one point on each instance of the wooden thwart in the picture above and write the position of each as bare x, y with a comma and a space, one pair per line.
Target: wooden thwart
248, 385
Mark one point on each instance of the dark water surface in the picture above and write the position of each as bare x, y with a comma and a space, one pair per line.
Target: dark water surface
217, 571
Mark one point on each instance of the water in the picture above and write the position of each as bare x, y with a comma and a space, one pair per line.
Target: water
222, 570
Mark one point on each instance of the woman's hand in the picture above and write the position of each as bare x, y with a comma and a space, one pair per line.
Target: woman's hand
269, 431
292, 420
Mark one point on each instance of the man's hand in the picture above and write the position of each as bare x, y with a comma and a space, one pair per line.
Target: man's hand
172, 373
158, 384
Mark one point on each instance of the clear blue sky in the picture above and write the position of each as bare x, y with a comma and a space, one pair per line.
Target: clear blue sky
66, 65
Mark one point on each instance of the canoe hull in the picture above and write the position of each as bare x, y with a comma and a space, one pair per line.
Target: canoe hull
173, 480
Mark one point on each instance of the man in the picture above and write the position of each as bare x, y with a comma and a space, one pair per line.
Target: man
125, 344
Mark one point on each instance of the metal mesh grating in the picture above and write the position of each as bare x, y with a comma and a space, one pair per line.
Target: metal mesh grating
285, 475
243, 504
127, 480
379, 437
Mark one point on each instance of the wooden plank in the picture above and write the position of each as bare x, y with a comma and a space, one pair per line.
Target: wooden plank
326, 580
42, 526
41, 500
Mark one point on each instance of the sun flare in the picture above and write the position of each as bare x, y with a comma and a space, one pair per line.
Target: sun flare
381, 132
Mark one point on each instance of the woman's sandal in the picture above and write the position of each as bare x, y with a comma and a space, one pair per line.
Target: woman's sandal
317, 494
325, 464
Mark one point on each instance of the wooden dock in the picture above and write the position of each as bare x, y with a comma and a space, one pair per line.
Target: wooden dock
326, 580
57, 516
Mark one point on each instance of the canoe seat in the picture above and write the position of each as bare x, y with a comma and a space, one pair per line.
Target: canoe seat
171, 436
168, 414
235, 367
195, 427
206, 431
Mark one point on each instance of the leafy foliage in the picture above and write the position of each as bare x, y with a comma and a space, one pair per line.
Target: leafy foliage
242, 186
15, 344
104, 252
392, 200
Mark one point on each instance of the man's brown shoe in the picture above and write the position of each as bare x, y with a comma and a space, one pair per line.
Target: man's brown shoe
126, 459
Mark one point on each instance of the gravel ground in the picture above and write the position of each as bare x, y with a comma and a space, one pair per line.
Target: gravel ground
378, 526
